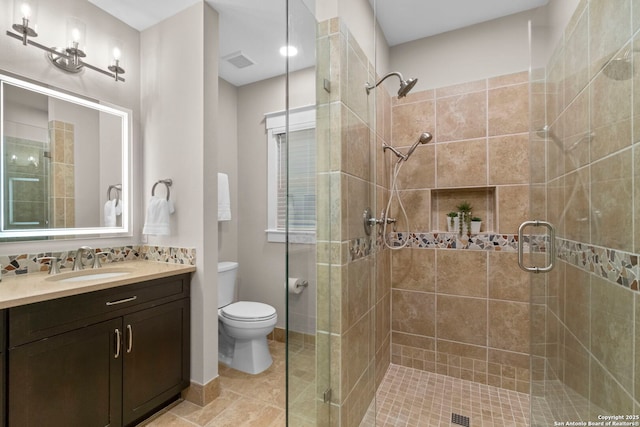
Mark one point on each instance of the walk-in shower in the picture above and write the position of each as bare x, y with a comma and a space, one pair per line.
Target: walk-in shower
405, 85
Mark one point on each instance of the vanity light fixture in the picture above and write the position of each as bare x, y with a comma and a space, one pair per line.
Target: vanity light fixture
70, 58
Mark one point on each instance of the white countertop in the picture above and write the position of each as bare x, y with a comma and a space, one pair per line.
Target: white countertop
35, 287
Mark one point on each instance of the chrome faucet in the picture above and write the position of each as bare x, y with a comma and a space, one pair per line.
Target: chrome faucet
77, 262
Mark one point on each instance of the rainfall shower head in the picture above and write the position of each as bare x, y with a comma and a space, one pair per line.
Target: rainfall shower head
424, 138
405, 85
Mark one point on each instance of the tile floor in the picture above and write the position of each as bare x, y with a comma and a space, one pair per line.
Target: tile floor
406, 398
412, 398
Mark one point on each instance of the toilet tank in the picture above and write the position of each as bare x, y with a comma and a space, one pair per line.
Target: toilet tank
227, 272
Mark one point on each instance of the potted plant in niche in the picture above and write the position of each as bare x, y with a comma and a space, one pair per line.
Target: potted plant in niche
464, 217
476, 223
452, 222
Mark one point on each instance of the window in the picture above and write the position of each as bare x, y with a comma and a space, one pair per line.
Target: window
301, 198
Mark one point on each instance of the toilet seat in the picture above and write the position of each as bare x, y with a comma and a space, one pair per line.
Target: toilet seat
248, 311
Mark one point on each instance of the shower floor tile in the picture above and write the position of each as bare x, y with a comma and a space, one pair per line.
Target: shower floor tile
410, 397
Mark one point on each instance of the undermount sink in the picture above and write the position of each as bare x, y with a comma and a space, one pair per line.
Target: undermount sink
84, 275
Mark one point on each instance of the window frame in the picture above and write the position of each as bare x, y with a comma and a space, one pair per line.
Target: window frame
301, 118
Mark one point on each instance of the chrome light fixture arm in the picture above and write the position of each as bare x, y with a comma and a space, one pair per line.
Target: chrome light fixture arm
65, 59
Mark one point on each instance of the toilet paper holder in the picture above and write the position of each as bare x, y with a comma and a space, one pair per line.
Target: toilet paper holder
302, 284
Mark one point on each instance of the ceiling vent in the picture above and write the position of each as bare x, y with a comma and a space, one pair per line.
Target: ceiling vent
238, 59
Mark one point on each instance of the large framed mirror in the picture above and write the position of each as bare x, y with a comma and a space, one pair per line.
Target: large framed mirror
65, 168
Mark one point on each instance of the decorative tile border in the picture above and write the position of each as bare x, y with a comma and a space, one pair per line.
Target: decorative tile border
613, 265
475, 242
359, 248
169, 254
32, 263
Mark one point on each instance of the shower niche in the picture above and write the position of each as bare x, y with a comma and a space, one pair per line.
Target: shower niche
481, 199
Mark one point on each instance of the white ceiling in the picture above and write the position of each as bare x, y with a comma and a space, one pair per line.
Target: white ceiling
257, 27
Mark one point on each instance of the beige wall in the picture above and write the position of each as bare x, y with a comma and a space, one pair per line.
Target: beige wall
180, 142
262, 264
228, 163
484, 50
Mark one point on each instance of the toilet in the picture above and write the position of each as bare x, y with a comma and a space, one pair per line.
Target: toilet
243, 326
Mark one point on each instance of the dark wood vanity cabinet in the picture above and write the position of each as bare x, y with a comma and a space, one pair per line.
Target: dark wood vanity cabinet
112, 358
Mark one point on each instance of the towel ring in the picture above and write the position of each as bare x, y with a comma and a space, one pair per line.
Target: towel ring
118, 188
167, 182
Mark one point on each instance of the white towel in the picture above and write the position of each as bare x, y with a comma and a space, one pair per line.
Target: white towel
110, 213
224, 198
158, 213
118, 207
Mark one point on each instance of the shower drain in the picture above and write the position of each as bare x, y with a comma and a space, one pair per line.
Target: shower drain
461, 420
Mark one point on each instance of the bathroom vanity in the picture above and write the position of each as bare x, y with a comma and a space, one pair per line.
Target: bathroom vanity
108, 350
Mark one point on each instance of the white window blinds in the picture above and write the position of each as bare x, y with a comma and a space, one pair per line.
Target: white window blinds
302, 180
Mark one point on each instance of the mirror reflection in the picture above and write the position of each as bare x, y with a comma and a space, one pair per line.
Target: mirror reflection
64, 163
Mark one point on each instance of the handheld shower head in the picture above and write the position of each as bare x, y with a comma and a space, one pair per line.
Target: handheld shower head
424, 138
405, 85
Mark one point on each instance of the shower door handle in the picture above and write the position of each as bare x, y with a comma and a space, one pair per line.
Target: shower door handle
552, 246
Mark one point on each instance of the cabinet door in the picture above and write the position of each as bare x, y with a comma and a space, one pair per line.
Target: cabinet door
72, 379
156, 358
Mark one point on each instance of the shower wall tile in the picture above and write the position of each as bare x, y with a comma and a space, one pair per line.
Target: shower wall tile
462, 319
506, 280
508, 110
453, 273
513, 207
461, 117
420, 172
509, 159
611, 201
636, 82
613, 347
636, 197
462, 164
416, 203
418, 310
577, 220
355, 199
357, 72
508, 326
609, 28
355, 361
575, 365
607, 396
576, 141
409, 121
413, 270
610, 100
577, 316
461, 88
356, 299
356, 147
576, 59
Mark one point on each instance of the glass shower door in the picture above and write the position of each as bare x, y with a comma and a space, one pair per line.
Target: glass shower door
585, 319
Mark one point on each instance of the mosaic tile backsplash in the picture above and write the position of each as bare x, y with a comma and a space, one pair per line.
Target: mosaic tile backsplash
32, 263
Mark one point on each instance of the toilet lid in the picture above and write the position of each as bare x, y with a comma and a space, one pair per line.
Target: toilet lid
248, 310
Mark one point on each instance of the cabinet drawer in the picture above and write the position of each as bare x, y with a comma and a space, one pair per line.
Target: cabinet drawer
44, 319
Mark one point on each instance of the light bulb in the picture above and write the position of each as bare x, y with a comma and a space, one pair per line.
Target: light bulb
288, 51
116, 53
26, 10
75, 35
